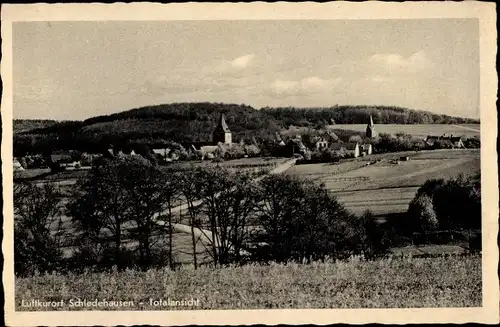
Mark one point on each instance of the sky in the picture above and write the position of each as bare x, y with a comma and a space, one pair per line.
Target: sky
77, 70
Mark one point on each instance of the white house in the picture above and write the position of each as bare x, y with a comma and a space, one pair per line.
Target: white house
366, 148
321, 144
352, 149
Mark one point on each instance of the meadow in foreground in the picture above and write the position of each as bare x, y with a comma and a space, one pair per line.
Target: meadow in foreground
386, 283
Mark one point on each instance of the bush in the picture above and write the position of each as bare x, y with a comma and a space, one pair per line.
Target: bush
448, 205
421, 214
458, 203
37, 227
472, 143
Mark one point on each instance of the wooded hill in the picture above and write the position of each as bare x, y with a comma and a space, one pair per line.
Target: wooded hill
194, 122
359, 115
25, 125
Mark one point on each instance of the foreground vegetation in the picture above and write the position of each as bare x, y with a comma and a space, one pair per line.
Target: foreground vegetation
386, 283
125, 212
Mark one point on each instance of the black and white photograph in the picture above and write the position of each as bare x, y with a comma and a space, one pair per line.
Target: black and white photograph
177, 167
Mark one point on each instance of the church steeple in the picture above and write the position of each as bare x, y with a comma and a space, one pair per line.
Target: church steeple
222, 133
370, 129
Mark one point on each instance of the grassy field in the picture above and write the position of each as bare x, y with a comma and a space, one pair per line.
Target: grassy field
238, 164
420, 130
384, 187
387, 283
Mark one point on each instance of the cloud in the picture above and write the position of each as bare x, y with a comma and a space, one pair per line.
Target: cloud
242, 62
395, 62
305, 86
237, 67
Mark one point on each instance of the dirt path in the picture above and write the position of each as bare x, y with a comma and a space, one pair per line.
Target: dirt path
203, 234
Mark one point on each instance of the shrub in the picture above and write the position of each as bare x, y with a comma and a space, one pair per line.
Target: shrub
421, 214
371, 237
37, 227
472, 142
458, 203
447, 205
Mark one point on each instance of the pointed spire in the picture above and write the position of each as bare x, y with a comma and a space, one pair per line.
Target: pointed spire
370, 129
222, 124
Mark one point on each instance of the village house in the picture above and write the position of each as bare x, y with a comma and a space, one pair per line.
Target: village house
339, 149
451, 141
279, 140
321, 143
17, 165
120, 153
162, 154
352, 149
331, 136
88, 158
64, 161
295, 146
208, 151
366, 149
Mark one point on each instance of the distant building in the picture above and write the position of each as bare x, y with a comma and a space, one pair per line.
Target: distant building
338, 148
366, 149
331, 136
89, 158
457, 142
279, 140
352, 149
17, 165
295, 146
222, 133
208, 151
445, 141
321, 144
64, 160
162, 152
370, 129
349, 149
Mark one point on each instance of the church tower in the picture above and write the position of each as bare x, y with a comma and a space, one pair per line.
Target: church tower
370, 129
222, 133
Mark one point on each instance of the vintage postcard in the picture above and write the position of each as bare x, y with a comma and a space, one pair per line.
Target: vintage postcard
223, 164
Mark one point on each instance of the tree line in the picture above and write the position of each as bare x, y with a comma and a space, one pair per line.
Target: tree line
360, 115
129, 213
186, 123
125, 213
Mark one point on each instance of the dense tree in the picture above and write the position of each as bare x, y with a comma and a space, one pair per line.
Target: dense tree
301, 221
145, 189
452, 204
101, 208
360, 115
228, 200
37, 228
421, 214
371, 237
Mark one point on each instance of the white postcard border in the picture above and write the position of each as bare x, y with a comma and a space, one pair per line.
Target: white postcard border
484, 12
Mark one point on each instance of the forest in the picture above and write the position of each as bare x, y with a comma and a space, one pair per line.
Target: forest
185, 123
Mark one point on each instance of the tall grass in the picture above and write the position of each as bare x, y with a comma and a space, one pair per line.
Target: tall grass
387, 283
